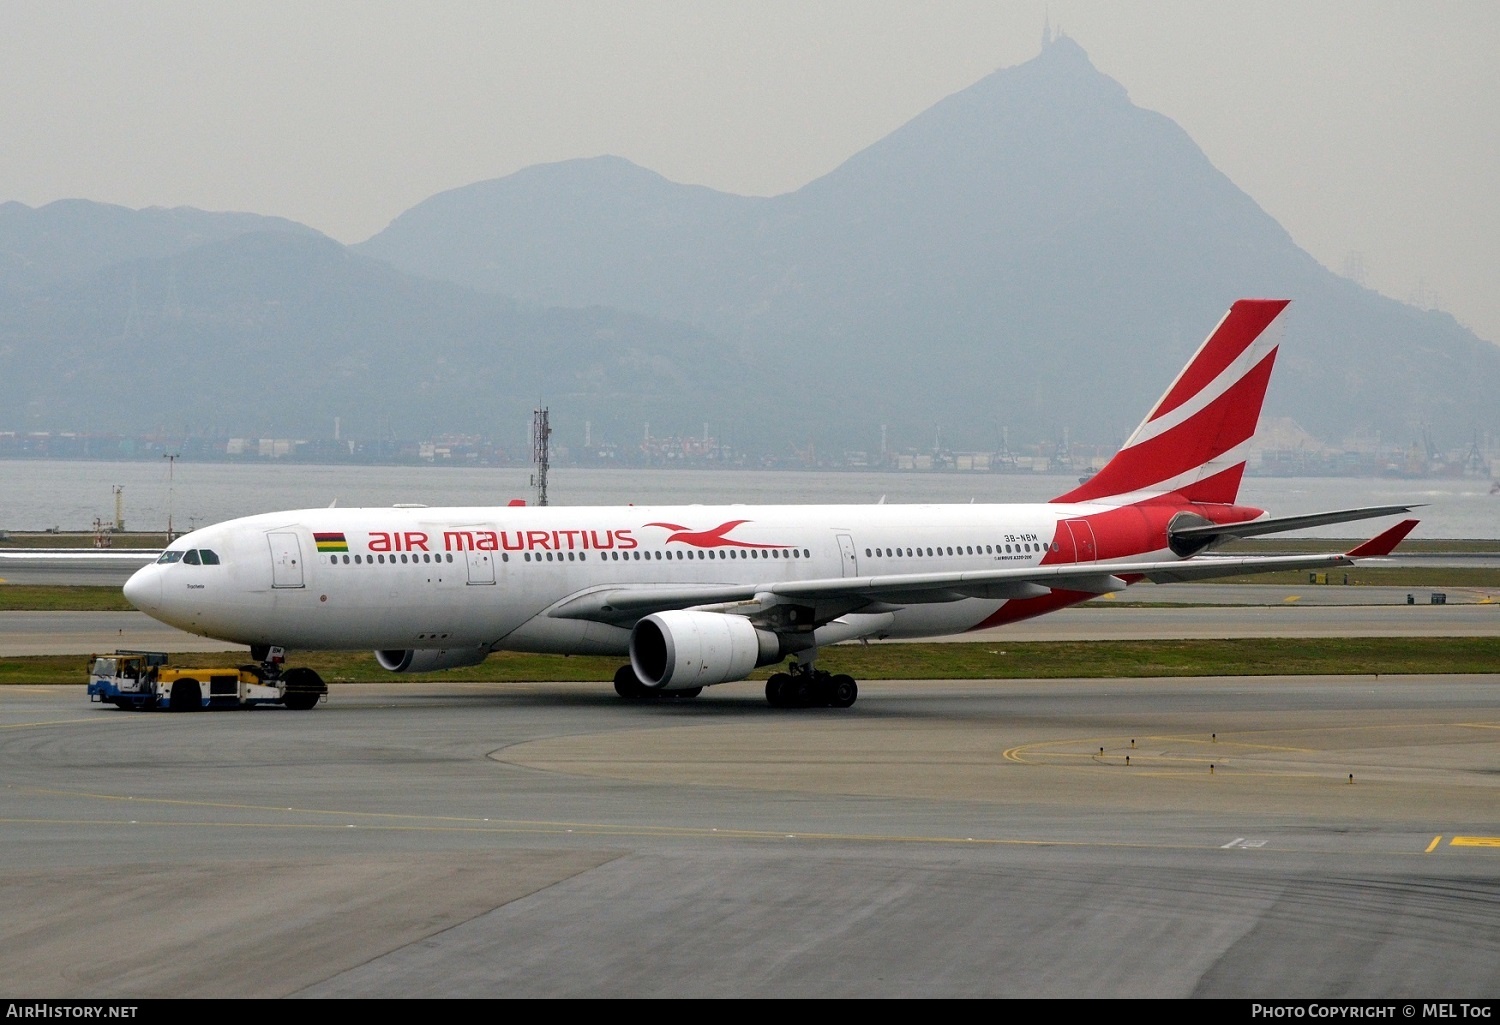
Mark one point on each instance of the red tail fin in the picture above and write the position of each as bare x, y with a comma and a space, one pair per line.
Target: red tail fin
1194, 440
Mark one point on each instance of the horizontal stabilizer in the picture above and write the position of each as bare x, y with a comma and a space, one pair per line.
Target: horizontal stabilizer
1276, 525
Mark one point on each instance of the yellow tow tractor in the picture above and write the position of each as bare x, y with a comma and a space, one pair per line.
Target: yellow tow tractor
146, 681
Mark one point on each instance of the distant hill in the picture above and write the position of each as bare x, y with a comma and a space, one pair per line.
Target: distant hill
1032, 257
276, 333
75, 237
1033, 253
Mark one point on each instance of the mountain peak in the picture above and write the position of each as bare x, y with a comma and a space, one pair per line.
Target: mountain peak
1061, 67
1064, 47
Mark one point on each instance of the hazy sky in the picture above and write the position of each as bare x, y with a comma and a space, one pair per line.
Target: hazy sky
1369, 128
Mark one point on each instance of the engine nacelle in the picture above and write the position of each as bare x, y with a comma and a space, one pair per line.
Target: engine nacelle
683, 650
426, 660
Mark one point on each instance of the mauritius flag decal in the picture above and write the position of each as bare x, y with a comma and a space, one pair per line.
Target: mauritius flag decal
331, 543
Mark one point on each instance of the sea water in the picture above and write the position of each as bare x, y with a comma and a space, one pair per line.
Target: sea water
71, 495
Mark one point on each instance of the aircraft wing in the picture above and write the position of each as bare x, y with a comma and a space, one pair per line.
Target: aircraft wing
836, 596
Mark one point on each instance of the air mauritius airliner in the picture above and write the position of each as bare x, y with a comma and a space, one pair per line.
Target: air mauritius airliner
702, 595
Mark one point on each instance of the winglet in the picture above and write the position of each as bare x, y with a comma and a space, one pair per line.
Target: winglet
1384, 543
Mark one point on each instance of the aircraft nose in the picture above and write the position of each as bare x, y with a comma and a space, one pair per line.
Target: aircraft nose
143, 589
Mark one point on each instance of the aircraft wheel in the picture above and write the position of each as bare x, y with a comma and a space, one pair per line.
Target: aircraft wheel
303, 689
627, 685
187, 696
842, 691
776, 689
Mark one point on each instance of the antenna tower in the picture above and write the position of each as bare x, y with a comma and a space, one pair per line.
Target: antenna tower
171, 458
540, 432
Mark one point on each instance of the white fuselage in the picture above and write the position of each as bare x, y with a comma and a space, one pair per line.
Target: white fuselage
417, 578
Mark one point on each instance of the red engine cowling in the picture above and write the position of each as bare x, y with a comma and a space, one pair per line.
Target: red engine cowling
683, 650
427, 660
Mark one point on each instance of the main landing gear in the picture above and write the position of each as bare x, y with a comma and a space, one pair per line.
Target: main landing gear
802, 686
629, 686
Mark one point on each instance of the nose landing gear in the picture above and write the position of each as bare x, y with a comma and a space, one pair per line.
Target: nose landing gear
301, 688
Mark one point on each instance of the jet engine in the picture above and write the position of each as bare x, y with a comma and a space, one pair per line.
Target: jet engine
426, 660
682, 650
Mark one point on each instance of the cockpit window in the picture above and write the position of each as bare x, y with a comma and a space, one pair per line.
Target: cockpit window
191, 558
167, 557
209, 556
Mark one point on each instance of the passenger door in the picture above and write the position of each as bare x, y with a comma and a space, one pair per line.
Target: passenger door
849, 561
286, 559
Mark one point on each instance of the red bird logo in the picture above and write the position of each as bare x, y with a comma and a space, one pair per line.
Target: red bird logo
709, 538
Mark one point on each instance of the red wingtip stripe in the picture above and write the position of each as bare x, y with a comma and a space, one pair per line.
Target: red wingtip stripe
1246, 319
1385, 542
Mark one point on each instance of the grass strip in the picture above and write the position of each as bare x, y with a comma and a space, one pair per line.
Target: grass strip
1256, 656
1439, 577
62, 598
